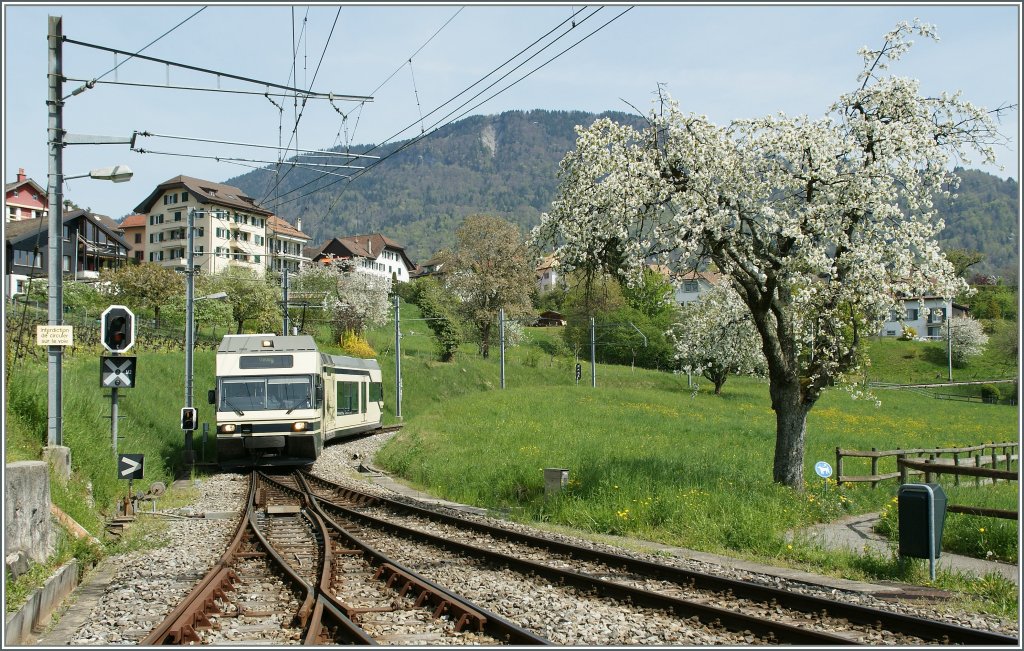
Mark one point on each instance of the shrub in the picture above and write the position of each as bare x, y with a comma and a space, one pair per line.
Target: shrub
990, 393
909, 333
355, 345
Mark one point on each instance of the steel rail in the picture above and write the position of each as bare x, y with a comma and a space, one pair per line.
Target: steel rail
461, 610
180, 624
710, 615
862, 615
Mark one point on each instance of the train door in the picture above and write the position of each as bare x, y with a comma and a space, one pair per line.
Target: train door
329, 406
366, 399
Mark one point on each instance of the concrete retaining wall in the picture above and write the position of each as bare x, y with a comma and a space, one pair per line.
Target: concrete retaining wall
27, 525
33, 617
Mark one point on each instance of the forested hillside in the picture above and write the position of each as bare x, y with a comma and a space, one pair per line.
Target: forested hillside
507, 165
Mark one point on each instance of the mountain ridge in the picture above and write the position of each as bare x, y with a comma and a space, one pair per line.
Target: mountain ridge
507, 165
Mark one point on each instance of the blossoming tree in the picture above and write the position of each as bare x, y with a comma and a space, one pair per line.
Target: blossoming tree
352, 300
819, 225
715, 336
966, 339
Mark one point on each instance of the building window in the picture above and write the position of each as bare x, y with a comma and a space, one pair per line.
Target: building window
67, 263
177, 216
911, 314
690, 286
184, 197
67, 233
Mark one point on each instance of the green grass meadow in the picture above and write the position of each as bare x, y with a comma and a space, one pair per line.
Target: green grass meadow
648, 457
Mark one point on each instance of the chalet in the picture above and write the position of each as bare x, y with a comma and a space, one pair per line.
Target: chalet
91, 243
550, 318
372, 254
431, 267
25, 199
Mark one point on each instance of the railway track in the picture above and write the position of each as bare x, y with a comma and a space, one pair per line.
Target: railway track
313, 562
293, 576
754, 611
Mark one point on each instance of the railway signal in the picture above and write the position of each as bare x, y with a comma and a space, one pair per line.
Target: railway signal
188, 419
117, 328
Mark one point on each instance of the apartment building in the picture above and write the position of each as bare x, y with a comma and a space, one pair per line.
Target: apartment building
231, 230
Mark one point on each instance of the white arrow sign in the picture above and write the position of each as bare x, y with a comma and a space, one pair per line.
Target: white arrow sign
129, 466
117, 374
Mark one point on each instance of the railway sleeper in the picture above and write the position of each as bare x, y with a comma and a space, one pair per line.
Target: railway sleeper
426, 595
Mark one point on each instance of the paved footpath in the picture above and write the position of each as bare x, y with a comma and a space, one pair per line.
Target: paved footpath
855, 532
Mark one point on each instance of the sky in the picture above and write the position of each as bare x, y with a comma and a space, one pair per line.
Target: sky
725, 61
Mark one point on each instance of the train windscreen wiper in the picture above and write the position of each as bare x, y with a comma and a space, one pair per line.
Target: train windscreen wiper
304, 400
234, 408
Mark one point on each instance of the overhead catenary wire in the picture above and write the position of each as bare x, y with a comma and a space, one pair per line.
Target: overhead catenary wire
235, 158
298, 117
310, 93
439, 107
305, 152
437, 125
91, 83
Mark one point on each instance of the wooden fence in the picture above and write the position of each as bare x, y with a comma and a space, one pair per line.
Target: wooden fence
929, 469
977, 456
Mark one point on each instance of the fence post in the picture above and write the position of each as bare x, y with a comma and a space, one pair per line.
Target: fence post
995, 460
927, 473
839, 466
904, 474
874, 469
977, 464
956, 475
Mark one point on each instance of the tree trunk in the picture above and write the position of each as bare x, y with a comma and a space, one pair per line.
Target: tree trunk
239, 331
790, 430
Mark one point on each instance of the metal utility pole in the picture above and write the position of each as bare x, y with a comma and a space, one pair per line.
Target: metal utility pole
501, 334
398, 365
55, 192
593, 356
189, 305
284, 304
949, 340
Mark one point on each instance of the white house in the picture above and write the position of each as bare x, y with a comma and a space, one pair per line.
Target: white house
547, 274
926, 315
373, 254
694, 284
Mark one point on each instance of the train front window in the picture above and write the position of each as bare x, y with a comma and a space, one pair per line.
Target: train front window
289, 393
261, 393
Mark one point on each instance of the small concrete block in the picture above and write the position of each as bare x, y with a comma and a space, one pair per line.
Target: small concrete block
59, 458
283, 509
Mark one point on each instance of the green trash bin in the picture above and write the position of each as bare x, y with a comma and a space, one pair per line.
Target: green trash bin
922, 515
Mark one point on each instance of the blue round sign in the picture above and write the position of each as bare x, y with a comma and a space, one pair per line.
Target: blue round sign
823, 469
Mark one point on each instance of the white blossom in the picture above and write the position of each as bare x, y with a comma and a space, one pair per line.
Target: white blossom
821, 226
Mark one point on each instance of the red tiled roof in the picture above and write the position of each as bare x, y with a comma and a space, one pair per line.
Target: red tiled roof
278, 225
133, 221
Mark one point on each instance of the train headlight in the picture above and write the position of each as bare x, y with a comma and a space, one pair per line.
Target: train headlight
226, 429
299, 427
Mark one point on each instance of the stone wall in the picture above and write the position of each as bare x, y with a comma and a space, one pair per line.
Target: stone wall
28, 529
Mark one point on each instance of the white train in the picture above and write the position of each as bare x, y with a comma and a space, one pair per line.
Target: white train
279, 399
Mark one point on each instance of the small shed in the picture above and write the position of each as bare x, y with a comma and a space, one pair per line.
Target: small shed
550, 318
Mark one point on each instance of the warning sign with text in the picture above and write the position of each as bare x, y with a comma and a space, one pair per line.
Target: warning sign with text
54, 335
